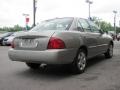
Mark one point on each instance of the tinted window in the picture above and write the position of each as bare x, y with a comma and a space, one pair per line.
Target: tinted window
79, 27
85, 25
93, 27
54, 24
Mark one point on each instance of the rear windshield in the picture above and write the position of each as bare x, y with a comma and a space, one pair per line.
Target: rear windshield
54, 24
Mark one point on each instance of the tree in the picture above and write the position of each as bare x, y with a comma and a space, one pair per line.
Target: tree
12, 29
105, 26
17, 28
117, 30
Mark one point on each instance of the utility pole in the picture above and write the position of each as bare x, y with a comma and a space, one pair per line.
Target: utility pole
34, 12
115, 12
89, 3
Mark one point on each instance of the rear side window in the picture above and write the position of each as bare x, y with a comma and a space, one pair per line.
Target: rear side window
85, 25
54, 24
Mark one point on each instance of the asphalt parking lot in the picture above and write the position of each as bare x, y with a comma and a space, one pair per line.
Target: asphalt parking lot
101, 74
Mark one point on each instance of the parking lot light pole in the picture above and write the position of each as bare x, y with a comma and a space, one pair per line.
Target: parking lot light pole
34, 11
115, 12
89, 3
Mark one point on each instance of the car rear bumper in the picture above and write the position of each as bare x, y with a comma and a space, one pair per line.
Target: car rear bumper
61, 56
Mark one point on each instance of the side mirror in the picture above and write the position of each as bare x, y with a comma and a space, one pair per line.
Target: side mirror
79, 29
106, 32
101, 31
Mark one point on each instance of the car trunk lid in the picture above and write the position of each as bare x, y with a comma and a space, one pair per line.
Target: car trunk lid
33, 40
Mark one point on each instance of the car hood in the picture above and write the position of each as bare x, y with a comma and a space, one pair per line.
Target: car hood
10, 37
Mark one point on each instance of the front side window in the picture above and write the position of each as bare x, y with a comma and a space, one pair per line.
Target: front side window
54, 24
85, 25
94, 27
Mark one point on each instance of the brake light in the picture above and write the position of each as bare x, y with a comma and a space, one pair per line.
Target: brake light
12, 44
56, 43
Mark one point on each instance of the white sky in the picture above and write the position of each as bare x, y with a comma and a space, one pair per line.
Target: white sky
11, 11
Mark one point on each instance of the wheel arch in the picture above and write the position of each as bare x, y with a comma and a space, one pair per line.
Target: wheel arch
75, 64
83, 47
111, 42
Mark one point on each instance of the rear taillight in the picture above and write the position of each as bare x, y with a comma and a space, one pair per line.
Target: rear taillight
12, 44
56, 43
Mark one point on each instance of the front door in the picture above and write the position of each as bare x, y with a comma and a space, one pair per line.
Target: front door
90, 38
101, 43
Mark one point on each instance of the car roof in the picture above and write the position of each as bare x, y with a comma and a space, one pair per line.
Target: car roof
65, 17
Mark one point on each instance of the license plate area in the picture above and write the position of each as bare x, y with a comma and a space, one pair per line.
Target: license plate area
28, 43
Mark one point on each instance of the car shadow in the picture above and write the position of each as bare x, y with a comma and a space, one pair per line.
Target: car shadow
45, 74
58, 72
96, 60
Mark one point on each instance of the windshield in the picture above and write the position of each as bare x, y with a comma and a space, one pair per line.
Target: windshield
54, 24
6, 34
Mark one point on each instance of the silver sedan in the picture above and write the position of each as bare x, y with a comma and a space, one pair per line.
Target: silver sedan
68, 40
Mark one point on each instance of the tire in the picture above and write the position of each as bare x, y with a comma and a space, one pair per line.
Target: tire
33, 65
109, 53
80, 62
1, 44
